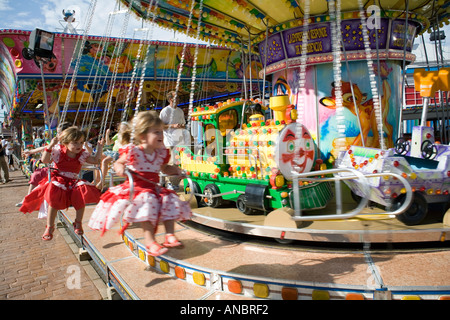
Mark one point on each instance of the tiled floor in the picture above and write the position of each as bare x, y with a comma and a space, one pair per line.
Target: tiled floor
277, 267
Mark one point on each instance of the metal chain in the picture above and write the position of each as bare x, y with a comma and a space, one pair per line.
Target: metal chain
116, 53
301, 89
144, 68
89, 19
336, 36
372, 77
180, 67
194, 69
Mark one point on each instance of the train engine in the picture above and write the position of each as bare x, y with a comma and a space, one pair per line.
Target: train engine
239, 155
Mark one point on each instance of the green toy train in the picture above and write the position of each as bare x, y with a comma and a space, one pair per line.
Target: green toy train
239, 156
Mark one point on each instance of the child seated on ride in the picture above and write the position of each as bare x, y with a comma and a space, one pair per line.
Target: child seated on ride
64, 189
151, 203
41, 170
111, 150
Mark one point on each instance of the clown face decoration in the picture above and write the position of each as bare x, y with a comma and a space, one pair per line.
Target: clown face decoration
287, 145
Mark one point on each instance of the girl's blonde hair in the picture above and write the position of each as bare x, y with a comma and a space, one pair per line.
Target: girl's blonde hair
124, 133
144, 121
71, 134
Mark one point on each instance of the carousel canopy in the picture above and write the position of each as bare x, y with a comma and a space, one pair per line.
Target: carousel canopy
102, 69
236, 23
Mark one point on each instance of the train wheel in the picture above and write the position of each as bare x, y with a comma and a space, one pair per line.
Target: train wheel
242, 206
211, 190
416, 212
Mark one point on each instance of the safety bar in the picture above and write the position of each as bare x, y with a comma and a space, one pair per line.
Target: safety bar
111, 174
93, 168
408, 189
360, 179
210, 196
305, 177
408, 193
183, 176
131, 180
129, 174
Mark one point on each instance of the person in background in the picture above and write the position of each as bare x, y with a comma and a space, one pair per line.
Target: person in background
111, 150
174, 123
9, 148
4, 165
38, 141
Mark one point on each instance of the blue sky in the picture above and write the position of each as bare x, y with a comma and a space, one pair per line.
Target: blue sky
47, 15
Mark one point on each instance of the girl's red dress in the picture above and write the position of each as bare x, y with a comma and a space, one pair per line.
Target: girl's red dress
150, 202
65, 188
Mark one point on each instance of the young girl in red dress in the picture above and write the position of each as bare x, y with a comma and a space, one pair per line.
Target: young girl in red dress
151, 203
64, 189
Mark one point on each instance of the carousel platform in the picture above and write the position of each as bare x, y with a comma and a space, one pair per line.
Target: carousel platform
218, 266
372, 227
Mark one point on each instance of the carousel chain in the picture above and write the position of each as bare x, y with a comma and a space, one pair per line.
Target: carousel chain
205, 82
250, 85
336, 36
372, 77
89, 19
134, 72
144, 66
301, 90
301, 87
180, 67
132, 81
164, 82
89, 116
403, 98
117, 51
194, 69
66, 75
265, 60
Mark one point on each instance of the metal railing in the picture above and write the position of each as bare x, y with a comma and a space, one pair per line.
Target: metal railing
359, 178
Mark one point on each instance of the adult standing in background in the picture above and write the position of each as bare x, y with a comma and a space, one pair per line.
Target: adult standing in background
174, 124
9, 149
4, 165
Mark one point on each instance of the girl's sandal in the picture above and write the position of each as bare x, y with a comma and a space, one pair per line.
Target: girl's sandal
78, 227
48, 234
172, 241
159, 249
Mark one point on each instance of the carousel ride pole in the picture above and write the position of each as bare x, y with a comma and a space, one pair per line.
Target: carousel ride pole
45, 103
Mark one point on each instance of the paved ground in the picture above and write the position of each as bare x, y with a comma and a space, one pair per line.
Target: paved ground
32, 269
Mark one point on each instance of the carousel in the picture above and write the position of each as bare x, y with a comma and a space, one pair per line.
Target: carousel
328, 130
313, 149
